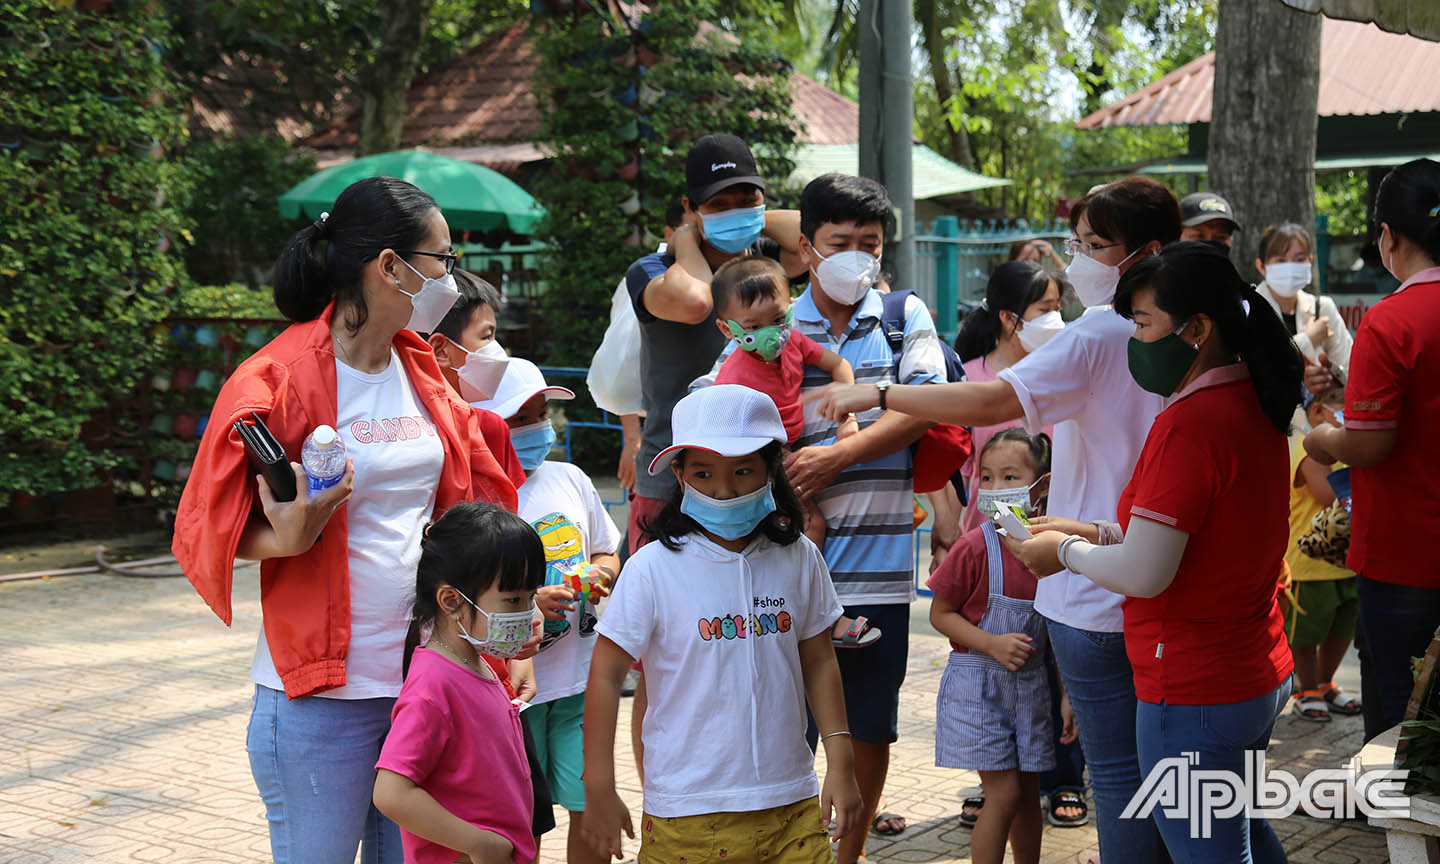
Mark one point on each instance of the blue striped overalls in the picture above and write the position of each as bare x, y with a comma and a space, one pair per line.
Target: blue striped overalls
988, 718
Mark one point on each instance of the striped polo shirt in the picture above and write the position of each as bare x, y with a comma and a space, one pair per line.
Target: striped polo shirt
869, 509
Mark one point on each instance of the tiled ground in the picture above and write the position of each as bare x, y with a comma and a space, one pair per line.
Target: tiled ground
123, 715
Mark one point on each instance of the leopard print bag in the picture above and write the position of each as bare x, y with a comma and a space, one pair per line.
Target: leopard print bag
1329, 536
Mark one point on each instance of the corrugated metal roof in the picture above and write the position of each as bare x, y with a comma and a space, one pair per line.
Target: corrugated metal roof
487, 96
932, 175
1363, 70
1418, 17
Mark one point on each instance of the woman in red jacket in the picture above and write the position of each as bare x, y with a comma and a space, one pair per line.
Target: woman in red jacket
1392, 415
1204, 527
337, 567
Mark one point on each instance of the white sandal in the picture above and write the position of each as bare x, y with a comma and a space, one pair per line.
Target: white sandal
1340, 701
1311, 705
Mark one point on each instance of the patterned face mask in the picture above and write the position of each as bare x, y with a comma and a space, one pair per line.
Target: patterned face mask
764, 342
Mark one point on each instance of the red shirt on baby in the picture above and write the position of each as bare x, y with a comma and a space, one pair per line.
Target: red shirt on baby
456, 735
779, 380
963, 578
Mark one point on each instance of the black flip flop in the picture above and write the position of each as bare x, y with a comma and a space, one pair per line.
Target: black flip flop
969, 820
859, 635
886, 817
1067, 798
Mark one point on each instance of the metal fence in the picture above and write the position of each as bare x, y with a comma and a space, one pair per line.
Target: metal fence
954, 259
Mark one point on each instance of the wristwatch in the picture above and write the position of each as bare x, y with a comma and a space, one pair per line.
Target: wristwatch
882, 386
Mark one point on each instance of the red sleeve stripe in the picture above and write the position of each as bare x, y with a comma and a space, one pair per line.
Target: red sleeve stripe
1155, 517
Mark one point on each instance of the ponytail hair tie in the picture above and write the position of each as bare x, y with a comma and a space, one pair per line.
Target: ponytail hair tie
320, 223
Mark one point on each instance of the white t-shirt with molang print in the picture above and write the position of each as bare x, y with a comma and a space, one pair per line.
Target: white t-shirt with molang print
398, 458
719, 634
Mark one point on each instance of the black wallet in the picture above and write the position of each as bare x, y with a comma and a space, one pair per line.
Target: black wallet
267, 457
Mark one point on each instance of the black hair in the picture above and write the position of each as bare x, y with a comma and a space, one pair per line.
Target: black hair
844, 198
469, 548
370, 216
1133, 211
1013, 286
1409, 202
747, 279
783, 526
1037, 447
1275, 240
1192, 279
675, 213
474, 293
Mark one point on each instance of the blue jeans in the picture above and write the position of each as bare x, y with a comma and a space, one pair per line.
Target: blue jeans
1397, 622
1069, 770
313, 760
1101, 686
1221, 735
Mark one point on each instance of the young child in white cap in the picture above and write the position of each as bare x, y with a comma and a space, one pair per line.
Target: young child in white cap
730, 613
560, 502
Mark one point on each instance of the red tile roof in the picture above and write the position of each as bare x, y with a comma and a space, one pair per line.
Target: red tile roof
486, 96
1363, 70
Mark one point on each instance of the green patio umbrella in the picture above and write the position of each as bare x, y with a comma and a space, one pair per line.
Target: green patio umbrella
473, 197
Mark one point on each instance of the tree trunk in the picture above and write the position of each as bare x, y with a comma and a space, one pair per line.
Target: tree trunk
386, 83
946, 81
1262, 131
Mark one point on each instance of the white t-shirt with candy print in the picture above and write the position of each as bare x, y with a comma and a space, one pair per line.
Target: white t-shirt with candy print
719, 633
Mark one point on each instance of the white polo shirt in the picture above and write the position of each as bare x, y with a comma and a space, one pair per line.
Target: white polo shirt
1079, 382
718, 633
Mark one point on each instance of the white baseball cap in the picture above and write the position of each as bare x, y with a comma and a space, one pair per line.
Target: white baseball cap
726, 419
522, 381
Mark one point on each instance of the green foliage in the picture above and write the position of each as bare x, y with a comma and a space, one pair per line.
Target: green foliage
689, 81
233, 184
1014, 116
226, 301
1341, 195
88, 221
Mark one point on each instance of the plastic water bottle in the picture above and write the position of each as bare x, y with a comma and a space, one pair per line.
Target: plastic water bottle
323, 457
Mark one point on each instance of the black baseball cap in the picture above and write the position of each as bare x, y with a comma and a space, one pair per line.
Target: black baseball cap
1206, 207
718, 162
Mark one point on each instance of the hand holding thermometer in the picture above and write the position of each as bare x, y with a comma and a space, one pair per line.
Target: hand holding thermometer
1012, 518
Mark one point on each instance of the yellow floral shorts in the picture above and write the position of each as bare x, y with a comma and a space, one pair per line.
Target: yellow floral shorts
789, 834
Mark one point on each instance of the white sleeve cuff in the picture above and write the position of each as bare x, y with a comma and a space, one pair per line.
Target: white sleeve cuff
1027, 402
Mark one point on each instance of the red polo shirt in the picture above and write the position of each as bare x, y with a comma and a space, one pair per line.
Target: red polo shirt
1395, 384
1215, 467
779, 380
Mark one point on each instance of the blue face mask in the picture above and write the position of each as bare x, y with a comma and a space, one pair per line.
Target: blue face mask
732, 518
533, 443
734, 230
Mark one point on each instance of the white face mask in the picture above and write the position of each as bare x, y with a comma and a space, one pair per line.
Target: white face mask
991, 500
431, 302
1286, 278
481, 373
1094, 282
846, 276
1039, 330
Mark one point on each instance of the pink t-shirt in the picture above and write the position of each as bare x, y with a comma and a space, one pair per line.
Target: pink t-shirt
456, 735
